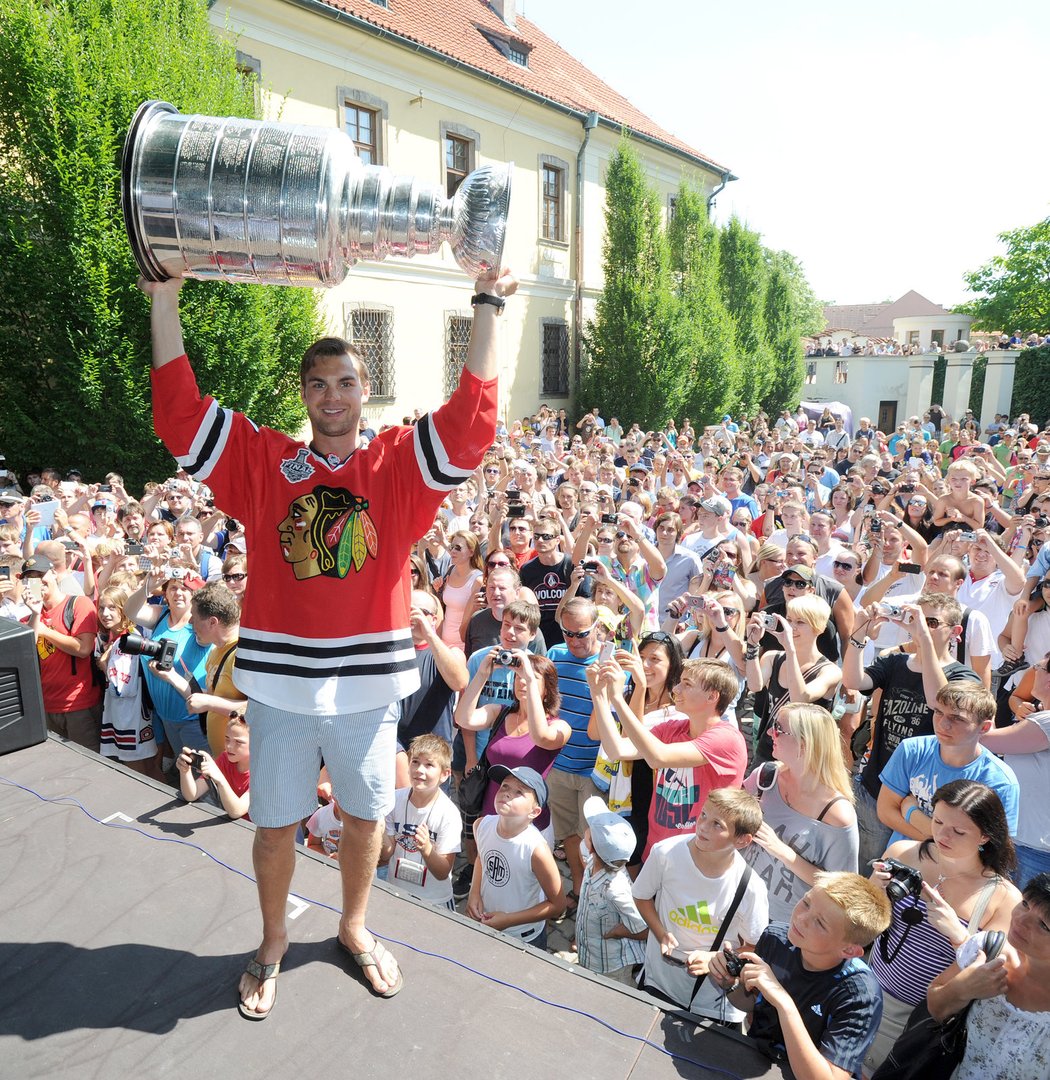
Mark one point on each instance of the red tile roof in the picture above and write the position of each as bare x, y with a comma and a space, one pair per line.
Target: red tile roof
456, 28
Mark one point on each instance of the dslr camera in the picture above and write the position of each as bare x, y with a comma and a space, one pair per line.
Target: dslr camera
590, 566
904, 880
505, 658
162, 651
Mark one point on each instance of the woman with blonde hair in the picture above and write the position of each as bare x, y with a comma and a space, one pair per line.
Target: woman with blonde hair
809, 823
457, 586
797, 672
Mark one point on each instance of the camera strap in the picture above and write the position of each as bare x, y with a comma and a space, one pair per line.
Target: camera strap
910, 916
741, 888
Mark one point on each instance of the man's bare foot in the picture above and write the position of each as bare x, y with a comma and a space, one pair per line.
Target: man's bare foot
257, 997
375, 961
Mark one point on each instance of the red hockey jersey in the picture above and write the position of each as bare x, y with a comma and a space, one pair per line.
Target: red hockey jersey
325, 623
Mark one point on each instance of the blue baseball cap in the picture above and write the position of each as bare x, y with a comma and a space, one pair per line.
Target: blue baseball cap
529, 777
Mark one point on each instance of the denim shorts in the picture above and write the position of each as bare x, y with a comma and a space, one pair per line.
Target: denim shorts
287, 750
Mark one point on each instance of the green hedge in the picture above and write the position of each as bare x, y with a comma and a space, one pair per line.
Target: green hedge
1032, 385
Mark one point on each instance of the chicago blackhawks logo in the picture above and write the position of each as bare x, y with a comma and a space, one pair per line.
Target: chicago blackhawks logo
326, 532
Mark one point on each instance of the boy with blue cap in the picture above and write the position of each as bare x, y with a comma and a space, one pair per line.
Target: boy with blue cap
516, 886
610, 931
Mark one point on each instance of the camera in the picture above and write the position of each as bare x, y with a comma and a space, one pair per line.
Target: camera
734, 965
878, 489
516, 510
1041, 521
163, 651
608, 519
590, 566
907, 488
876, 525
505, 658
967, 537
134, 547
904, 880
769, 622
607, 651
892, 611
196, 760
513, 496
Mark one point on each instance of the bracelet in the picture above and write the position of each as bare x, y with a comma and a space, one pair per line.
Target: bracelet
720, 629
751, 652
858, 644
911, 810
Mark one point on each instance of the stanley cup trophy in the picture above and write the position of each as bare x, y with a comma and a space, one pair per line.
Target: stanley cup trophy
287, 204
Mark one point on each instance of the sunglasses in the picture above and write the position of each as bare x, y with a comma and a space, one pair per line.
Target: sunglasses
621, 535
519, 528
606, 539
777, 728
659, 636
414, 571
494, 564
580, 634
241, 577
546, 536
795, 583
932, 622
492, 471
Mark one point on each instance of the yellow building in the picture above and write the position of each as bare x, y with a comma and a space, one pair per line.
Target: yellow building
432, 88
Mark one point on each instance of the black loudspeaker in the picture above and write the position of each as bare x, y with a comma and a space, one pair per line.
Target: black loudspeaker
22, 719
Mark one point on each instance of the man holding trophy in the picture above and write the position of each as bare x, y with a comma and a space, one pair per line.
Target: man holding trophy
326, 651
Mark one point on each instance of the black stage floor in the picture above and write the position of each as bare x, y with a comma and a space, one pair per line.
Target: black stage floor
121, 945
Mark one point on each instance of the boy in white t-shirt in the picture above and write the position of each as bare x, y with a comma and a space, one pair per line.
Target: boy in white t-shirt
516, 886
684, 892
424, 829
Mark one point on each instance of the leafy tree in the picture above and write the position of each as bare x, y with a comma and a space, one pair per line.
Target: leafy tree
809, 310
1014, 288
1031, 386
743, 281
783, 337
707, 364
631, 340
74, 331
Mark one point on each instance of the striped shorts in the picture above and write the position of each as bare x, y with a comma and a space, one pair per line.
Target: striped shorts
287, 750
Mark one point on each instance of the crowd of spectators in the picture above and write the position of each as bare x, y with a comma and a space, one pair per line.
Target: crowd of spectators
820, 345
775, 691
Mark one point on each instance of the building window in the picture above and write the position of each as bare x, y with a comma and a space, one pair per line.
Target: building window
552, 202
363, 116
937, 338
517, 56
372, 331
361, 126
457, 162
555, 359
913, 338
811, 374
457, 338
841, 370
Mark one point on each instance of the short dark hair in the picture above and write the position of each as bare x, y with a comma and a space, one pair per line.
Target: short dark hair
327, 347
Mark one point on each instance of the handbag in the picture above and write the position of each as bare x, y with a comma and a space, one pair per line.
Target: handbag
472, 790
927, 1049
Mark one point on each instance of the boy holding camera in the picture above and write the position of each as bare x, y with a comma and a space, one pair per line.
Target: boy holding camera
812, 998
423, 830
696, 890
226, 776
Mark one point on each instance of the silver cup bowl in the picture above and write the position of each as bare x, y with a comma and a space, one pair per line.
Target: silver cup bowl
287, 204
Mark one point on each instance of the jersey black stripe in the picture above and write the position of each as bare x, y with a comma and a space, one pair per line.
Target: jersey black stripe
208, 449
426, 442
320, 652
339, 671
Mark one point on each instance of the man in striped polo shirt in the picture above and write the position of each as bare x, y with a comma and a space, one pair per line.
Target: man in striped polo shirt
569, 783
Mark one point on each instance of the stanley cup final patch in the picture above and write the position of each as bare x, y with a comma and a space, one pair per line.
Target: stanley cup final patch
297, 469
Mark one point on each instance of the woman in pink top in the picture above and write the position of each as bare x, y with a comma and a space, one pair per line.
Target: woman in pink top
456, 587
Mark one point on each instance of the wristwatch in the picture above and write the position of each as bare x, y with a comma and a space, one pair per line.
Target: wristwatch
498, 302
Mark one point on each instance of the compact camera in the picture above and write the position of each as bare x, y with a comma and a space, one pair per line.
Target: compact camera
608, 519
892, 611
162, 651
590, 566
196, 761
505, 658
769, 622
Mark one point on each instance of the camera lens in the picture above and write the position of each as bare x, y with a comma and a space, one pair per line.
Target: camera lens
137, 645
